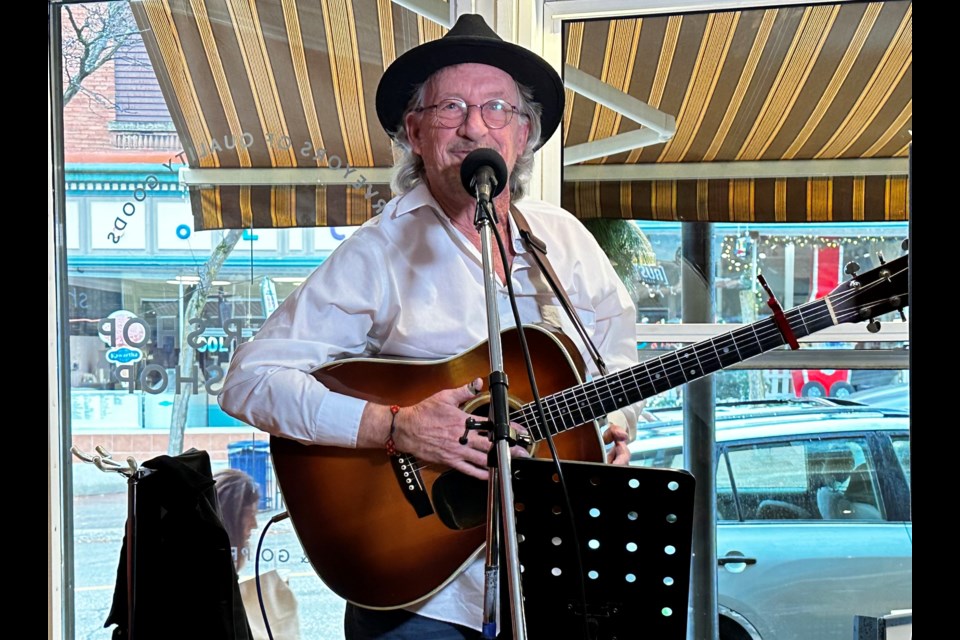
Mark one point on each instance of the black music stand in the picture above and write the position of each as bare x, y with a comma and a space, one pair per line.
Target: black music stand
633, 528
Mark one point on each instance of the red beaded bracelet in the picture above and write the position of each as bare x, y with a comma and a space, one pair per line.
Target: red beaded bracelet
390, 444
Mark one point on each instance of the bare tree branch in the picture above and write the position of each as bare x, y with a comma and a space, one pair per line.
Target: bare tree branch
188, 356
97, 32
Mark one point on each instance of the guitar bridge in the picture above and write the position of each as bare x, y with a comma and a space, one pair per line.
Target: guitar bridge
408, 477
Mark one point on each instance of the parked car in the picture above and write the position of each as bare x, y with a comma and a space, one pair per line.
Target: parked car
813, 513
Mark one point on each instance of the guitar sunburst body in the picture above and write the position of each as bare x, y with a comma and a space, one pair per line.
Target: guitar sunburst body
348, 508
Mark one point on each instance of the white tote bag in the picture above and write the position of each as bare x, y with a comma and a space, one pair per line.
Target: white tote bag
278, 600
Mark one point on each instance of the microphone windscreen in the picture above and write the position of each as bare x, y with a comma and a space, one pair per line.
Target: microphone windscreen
483, 158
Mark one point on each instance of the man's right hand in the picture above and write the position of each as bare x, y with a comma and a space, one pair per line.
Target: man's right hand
431, 431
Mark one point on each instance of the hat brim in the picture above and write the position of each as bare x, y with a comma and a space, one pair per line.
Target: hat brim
416, 65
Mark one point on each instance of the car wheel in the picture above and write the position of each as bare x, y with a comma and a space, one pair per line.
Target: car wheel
841, 390
813, 389
730, 630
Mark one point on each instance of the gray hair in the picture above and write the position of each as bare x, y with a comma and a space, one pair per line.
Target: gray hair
408, 166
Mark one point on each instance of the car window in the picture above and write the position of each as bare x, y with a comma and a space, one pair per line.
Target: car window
901, 447
829, 479
726, 502
770, 479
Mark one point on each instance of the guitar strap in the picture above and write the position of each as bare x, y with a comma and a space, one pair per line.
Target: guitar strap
538, 249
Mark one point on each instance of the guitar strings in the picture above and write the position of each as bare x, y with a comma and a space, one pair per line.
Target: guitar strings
599, 397
765, 331
670, 364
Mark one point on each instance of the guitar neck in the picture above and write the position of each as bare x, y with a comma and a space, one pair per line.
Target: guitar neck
575, 406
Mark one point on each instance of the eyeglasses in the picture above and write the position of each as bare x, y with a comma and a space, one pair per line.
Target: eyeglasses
452, 112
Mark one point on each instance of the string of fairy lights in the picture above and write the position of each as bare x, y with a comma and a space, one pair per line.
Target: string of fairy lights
745, 254
737, 251
742, 256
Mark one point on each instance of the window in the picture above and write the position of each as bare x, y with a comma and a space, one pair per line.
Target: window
806, 479
901, 447
144, 363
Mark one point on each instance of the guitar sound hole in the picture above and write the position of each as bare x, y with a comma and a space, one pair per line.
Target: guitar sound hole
480, 407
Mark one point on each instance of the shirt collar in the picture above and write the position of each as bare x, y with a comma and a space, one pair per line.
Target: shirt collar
417, 197
420, 196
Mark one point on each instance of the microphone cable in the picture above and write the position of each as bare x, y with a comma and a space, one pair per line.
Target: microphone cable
263, 534
541, 416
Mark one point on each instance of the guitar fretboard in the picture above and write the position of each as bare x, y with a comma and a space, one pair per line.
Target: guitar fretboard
578, 405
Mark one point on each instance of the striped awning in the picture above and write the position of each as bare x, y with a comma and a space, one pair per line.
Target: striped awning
782, 114
837, 199
815, 99
280, 84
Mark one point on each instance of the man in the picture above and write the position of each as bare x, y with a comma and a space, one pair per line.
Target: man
410, 283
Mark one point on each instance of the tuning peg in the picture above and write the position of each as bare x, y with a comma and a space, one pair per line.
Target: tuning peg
873, 326
851, 268
905, 244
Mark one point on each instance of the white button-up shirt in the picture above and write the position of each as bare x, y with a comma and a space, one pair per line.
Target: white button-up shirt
409, 284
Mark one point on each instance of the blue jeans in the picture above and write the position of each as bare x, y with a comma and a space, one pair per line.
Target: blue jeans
369, 624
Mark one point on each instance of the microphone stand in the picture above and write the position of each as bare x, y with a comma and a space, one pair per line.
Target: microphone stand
499, 487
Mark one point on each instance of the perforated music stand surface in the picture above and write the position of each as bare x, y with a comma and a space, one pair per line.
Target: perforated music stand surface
633, 527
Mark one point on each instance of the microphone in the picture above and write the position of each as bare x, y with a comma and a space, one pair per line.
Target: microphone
483, 174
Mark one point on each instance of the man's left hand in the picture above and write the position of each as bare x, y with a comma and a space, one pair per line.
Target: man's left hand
619, 454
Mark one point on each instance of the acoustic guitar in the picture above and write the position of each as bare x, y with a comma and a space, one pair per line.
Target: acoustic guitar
385, 532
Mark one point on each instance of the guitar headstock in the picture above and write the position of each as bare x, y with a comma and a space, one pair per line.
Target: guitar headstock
873, 293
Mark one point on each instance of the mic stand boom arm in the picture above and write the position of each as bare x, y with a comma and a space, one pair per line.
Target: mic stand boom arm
499, 487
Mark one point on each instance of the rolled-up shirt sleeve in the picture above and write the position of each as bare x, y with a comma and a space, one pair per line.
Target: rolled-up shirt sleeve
270, 384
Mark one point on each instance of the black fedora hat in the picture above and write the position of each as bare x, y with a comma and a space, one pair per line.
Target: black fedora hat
470, 40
